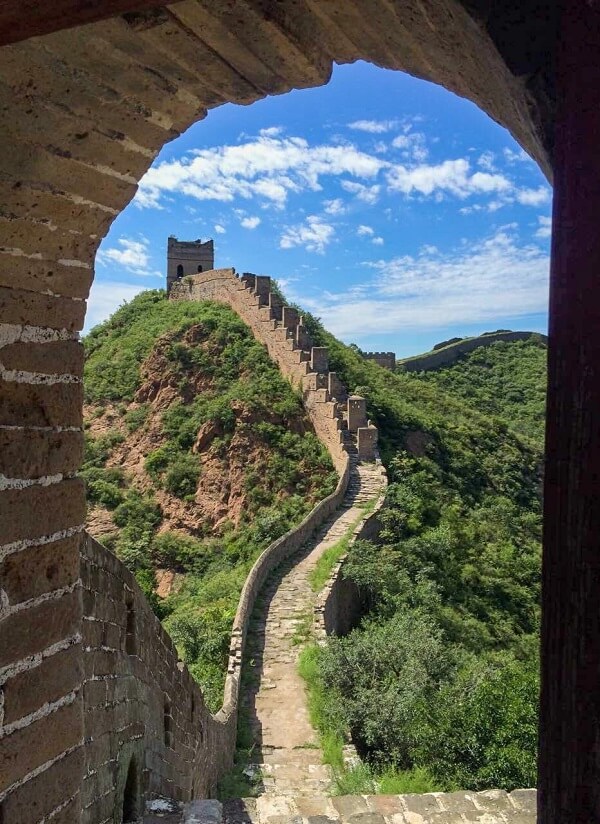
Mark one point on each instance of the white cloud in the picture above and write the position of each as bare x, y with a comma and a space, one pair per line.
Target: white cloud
368, 194
314, 234
545, 226
377, 241
268, 166
105, 298
220, 229
486, 282
518, 156
334, 207
486, 161
132, 256
363, 231
271, 131
412, 145
373, 126
250, 222
533, 197
452, 176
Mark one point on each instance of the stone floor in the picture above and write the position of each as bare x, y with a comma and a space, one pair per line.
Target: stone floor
288, 756
489, 807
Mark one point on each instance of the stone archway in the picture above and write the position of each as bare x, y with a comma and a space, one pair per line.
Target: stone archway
84, 112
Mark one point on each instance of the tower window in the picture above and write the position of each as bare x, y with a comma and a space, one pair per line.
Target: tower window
168, 723
180, 271
199, 268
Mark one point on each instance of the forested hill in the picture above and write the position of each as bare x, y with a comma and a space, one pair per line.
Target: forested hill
438, 687
198, 455
507, 380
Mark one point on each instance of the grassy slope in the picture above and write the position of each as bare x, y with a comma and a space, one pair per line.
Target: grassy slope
439, 685
507, 380
156, 373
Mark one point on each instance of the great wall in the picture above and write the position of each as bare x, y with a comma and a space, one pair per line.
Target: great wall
451, 351
147, 734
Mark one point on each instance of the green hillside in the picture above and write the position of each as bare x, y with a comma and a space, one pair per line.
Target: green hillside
439, 684
505, 379
198, 455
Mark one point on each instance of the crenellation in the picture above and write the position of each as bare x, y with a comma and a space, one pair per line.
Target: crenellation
387, 360
319, 359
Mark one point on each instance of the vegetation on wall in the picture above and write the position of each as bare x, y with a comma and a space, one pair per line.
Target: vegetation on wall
438, 687
198, 455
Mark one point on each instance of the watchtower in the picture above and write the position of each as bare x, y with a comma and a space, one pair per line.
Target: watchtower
188, 257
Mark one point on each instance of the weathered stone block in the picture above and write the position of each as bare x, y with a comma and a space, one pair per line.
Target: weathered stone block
53, 358
524, 800
25, 404
36, 309
31, 454
26, 749
55, 677
319, 359
348, 805
32, 630
39, 569
41, 795
41, 510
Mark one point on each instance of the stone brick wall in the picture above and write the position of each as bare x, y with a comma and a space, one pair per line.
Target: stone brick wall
385, 359
144, 716
453, 351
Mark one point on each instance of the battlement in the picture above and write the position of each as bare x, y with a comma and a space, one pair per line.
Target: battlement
385, 359
281, 328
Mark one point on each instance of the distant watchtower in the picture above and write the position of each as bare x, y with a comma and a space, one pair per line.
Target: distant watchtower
188, 257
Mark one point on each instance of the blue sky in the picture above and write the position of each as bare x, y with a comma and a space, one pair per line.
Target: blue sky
394, 210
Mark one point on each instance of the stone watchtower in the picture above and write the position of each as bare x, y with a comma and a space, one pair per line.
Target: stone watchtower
188, 257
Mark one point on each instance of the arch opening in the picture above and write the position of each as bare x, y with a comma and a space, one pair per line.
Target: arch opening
131, 794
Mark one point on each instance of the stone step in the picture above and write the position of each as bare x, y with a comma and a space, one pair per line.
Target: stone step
487, 807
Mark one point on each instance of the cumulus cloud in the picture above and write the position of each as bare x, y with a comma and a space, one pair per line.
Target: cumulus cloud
378, 241
519, 156
412, 146
533, 197
335, 206
314, 234
220, 229
544, 226
368, 194
490, 281
269, 167
373, 126
250, 222
451, 176
105, 298
131, 255
363, 231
